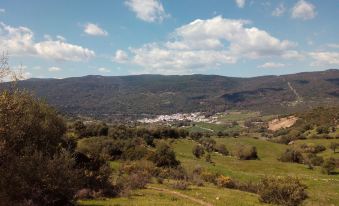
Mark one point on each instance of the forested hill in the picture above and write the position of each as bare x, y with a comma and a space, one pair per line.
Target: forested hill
116, 96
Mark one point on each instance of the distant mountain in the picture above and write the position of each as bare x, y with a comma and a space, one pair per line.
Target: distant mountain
101, 97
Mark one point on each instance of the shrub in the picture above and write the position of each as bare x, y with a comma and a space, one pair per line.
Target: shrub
250, 186
246, 152
311, 148
221, 148
135, 153
208, 158
208, 143
178, 173
210, 177
323, 130
292, 155
198, 151
314, 160
287, 191
334, 146
164, 156
224, 181
36, 165
126, 183
329, 166
180, 185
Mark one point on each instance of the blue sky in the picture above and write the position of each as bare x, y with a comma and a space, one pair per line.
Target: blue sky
58, 39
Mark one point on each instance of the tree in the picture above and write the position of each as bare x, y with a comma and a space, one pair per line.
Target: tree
292, 155
198, 151
286, 191
246, 152
164, 156
36, 167
334, 146
329, 166
221, 148
37, 164
208, 143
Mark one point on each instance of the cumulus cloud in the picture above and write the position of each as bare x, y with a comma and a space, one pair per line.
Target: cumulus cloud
20, 41
94, 30
269, 65
211, 43
147, 10
54, 69
120, 56
2, 10
303, 10
59, 50
240, 3
322, 59
279, 11
104, 70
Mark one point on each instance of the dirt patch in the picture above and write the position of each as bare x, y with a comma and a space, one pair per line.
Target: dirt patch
198, 201
281, 123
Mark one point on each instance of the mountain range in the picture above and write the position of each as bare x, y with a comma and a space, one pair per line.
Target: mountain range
142, 95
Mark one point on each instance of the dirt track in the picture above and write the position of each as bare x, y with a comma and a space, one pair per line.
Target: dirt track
201, 202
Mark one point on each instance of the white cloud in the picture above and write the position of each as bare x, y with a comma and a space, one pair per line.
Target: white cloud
147, 10
268, 65
2, 10
323, 59
211, 43
20, 41
303, 10
16, 40
59, 50
240, 3
279, 11
61, 38
335, 46
120, 56
54, 69
94, 30
104, 70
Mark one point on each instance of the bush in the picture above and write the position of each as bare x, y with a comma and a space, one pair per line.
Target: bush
314, 160
311, 148
36, 165
323, 130
126, 183
164, 156
329, 166
208, 158
208, 143
221, 148
135, 153
287, 191
178, 173
292, 155
246, 152
180, 185
224, 181
210, 177
198, 151
334, 146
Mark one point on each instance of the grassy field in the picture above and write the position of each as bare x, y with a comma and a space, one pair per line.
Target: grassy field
224, 121
322, 189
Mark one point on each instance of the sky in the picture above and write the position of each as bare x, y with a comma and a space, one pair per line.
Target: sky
243, 38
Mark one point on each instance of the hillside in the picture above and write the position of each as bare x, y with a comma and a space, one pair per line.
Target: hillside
118, 96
